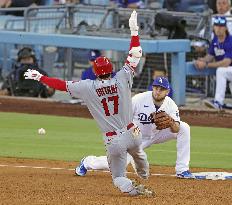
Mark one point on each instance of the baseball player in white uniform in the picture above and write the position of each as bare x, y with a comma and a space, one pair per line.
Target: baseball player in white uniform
143, 105
109, 101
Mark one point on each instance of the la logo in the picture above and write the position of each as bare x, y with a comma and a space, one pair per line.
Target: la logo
160, 80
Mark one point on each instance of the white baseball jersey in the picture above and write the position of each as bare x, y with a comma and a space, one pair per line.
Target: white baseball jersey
109, 101
143, 106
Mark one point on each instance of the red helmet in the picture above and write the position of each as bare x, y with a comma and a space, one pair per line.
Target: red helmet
102, 66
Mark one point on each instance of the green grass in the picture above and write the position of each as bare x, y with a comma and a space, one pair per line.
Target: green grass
72, 138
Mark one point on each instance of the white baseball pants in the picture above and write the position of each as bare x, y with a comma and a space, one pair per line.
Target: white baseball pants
223, 74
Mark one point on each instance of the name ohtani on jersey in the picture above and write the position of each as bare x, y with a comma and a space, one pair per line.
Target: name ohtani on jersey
107, 90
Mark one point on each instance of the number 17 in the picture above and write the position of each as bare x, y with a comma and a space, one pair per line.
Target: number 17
105, 102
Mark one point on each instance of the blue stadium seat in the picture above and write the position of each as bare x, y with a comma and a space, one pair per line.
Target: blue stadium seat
92, 17
96, 2
10, 22
10, 53
47, 21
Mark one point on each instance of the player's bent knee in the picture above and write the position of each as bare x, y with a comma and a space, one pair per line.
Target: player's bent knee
184, 127
124, 184
221, 70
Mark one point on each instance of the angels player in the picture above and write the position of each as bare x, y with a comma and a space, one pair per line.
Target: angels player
143, 105
109, 101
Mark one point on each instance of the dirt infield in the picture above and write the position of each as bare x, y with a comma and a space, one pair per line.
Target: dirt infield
23, 183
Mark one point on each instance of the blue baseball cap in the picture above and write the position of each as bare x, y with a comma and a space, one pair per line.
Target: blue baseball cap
93, 54
219, 21
162, 82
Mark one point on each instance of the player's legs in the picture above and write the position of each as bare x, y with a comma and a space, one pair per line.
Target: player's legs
182, 144
116, 148
222, 75
100, 163
160, 136
139, 157
139, 162
96, 163
183, 148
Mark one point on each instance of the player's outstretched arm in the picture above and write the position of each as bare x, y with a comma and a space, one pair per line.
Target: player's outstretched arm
135, 52
51, 82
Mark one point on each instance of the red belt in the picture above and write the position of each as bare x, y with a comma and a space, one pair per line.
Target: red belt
110, 134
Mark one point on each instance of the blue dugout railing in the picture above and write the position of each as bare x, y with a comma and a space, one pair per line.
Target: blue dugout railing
177, 48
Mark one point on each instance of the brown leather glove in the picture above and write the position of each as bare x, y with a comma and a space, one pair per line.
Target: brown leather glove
162, 120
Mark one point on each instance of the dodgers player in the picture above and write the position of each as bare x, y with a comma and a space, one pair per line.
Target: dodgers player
219, 57
143, 105
109, 101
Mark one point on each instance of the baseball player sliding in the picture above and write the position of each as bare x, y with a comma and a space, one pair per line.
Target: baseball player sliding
109, 101
157, 116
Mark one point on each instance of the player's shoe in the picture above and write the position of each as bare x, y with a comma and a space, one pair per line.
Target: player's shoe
185, 175
142, 190
213, 104
81, 170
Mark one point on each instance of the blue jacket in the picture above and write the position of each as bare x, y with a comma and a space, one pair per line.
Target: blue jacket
88, 74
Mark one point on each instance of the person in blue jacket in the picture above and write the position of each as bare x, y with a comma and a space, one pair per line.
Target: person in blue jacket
88, 73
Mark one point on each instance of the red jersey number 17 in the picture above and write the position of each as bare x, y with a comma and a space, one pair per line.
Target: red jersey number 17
110, 99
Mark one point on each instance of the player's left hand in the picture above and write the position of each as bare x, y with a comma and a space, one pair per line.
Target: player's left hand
32, 75
162, 120
133, 24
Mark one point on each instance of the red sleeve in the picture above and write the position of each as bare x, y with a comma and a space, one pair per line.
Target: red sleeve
134, 41
54, 83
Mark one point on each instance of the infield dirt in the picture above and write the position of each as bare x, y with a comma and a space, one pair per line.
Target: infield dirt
28, 185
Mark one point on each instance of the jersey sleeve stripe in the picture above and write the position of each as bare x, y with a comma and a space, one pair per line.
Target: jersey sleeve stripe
68, 89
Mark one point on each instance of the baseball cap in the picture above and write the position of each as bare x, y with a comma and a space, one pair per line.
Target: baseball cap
93, 54
219, 21
162, 82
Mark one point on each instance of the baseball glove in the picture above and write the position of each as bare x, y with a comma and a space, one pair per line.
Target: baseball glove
162, 120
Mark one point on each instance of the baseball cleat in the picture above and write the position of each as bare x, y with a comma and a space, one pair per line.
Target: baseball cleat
81, 170
142, 189
213, 104
185, 175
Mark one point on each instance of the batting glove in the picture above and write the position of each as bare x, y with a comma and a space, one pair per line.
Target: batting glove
32, 75
133, 24
135, 55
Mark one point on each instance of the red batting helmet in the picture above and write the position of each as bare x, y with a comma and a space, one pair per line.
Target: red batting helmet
102, 66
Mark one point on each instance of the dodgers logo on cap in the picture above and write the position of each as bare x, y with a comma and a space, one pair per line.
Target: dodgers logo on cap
93, 54
162, 82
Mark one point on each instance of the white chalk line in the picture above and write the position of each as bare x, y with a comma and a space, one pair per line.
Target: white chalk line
59, 168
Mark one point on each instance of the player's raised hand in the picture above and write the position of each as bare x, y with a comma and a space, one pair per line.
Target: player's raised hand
32, 75
133, 24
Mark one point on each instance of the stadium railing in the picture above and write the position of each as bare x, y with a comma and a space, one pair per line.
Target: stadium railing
100, 21
177, 48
